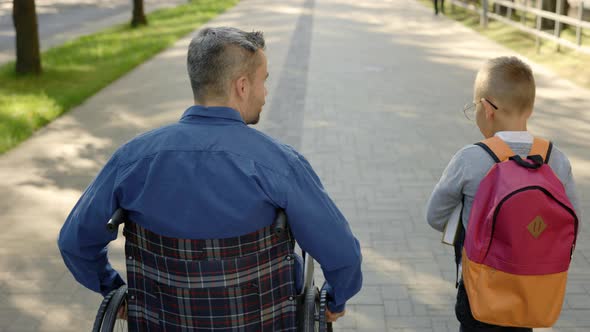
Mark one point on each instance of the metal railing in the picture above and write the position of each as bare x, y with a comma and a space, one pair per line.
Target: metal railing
526, 7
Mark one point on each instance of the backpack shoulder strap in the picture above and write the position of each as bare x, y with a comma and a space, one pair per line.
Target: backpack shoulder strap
542, 148
496, 148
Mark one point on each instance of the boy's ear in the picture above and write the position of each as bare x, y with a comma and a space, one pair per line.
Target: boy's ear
528, 114
490, 112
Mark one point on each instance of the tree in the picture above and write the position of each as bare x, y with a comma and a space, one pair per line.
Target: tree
138, 14
28, 56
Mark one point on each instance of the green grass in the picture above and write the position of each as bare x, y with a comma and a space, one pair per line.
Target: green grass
566, 63
80, 68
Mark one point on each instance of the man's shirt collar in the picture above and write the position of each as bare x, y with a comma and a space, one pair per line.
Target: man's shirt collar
216, 112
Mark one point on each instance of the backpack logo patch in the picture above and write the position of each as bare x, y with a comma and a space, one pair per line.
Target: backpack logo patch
537, 226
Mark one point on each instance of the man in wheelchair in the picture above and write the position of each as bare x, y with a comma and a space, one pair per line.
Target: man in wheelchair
200, 198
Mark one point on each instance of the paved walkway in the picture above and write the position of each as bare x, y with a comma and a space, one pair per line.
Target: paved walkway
369, 90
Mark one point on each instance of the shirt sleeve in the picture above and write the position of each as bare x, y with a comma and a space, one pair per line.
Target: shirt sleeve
563, 169
83, 238
570, 190
447, 194
321, 230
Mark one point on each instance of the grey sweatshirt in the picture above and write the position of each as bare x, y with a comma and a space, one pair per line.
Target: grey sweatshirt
469, 166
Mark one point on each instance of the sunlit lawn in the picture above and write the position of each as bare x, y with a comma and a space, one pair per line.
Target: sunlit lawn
78, 69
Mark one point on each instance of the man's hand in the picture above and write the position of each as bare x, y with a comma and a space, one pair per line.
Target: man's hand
122, 314
332, 317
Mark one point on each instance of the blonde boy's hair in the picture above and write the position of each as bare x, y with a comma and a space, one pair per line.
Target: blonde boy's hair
509, 81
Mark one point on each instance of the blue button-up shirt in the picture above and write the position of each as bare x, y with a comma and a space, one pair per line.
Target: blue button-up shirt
209, 176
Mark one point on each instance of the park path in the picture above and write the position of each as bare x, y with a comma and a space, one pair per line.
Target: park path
370, 91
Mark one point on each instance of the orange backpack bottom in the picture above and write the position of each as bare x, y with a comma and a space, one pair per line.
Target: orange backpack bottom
506, 299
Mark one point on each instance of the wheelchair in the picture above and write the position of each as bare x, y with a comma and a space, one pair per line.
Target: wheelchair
311, 301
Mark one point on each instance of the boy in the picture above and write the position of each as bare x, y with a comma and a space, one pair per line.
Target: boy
504, 95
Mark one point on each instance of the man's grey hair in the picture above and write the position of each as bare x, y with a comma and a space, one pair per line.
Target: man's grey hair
216, 56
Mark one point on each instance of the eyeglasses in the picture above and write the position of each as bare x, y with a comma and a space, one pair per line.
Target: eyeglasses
469, 108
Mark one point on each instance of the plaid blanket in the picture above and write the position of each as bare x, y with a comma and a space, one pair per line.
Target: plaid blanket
244, 283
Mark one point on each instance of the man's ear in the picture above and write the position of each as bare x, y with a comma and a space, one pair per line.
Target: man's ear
242, 86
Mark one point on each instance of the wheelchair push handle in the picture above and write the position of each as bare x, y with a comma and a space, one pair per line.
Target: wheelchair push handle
117, 219
281, 222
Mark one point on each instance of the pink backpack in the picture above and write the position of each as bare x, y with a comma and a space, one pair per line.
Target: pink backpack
520, 238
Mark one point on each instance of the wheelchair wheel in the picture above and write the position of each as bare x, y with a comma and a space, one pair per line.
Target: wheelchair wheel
106, 319
310, 310
101, 311
324, 325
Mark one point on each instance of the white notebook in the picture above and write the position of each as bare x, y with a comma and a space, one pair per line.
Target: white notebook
450, 233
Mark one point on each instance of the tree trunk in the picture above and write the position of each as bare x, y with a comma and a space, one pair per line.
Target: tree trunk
138, 14
28, 57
